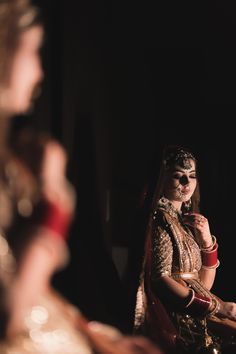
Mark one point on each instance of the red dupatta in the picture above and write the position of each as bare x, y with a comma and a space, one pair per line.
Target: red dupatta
159, 325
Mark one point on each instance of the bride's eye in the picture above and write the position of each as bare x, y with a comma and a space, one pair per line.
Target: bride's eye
177, 175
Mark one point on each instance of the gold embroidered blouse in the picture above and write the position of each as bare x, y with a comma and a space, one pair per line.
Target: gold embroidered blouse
175, 252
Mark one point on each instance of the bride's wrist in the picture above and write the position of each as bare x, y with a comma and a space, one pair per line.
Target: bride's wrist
208, 245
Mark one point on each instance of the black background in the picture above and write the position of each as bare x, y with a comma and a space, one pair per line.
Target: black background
122, 80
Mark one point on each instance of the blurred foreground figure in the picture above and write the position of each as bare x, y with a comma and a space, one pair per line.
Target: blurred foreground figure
36, 209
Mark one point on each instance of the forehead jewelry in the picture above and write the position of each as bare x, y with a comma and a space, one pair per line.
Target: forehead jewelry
180, 157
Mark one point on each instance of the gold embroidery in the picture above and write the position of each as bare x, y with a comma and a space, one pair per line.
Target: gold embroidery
173, 244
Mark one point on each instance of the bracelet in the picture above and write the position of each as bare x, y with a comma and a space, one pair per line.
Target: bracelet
192, 294
214, 241
198, 305
210, 258
216, 307
212, 267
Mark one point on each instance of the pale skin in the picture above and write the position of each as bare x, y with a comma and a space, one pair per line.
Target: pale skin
179, 186
24, 75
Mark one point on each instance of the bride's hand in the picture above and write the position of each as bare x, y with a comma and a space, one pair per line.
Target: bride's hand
201, 225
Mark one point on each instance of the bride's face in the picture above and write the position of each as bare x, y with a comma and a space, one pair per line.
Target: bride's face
181, 182
25, 73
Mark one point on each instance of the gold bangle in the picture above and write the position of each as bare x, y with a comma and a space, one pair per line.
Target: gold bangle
192, 293
216, 307
209, 248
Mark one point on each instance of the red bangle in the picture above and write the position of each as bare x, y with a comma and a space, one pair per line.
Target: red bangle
198, 305
210, 258
52, 217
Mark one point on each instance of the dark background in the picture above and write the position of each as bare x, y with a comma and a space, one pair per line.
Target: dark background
122, 80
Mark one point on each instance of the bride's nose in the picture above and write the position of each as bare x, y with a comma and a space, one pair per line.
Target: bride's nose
184, 180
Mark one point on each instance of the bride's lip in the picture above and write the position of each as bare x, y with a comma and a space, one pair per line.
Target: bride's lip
185, 191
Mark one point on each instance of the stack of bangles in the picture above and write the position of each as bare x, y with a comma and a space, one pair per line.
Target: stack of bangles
210, 255
200, 305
